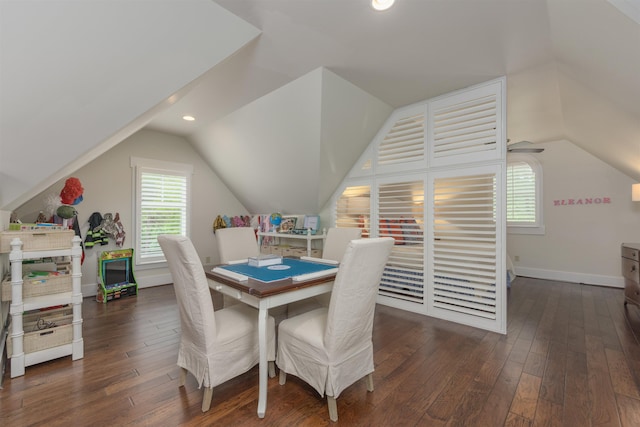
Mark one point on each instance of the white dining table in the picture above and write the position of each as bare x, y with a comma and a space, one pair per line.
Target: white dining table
264, 296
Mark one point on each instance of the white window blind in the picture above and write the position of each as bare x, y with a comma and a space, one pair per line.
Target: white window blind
521, 193
524, 195
162, 206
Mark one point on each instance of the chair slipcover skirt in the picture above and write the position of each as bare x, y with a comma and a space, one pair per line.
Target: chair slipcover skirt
235, 347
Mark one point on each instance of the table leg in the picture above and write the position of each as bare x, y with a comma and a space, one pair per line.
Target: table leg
263, 315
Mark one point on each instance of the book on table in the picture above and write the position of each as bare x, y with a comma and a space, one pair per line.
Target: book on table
264, 260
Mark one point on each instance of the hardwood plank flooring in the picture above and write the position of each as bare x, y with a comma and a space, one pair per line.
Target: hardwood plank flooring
571, 357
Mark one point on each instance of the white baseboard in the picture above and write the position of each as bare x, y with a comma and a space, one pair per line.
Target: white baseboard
156, 280
569, 276
91, 289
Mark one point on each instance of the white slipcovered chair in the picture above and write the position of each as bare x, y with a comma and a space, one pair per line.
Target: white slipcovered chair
215, 346
331, 348
337, 240
236, 243
335, 245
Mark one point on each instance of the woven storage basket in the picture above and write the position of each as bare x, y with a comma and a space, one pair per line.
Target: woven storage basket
37, 240
39, 285
59, 332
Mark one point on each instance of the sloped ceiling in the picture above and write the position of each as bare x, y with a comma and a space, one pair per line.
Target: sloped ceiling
79, 77
571, 68
288, 150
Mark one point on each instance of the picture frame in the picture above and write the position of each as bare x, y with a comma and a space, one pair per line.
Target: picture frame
312, 222
288, 224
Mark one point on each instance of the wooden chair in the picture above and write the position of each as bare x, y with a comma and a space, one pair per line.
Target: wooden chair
215, 346
331, 348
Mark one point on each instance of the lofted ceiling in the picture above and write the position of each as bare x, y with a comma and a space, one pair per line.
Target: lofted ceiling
572, 69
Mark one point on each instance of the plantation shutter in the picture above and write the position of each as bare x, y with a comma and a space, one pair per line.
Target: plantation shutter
353, 208
161, 205
464, 264
163, 210
437, 185
401, 216
521, 193
403, 142
466, 127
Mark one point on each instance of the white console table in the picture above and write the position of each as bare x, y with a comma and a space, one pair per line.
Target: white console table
308, 237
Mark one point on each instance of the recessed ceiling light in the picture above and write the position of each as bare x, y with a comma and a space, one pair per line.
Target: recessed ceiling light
382, 4
188, 118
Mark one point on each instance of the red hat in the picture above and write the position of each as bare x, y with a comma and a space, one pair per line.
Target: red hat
71, 194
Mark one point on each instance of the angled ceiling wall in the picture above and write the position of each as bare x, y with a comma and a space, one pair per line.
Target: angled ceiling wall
73, 85
288, 150
79, 77
547, 104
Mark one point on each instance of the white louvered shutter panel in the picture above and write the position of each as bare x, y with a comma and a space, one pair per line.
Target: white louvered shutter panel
450, 263
353, 208
401, 216
464, 263
466, 127
403, 143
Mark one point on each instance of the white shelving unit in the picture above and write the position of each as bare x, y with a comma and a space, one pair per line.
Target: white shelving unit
308, 237
20, 360
4, 322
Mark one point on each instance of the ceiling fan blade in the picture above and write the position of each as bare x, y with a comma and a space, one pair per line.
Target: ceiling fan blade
525, 150
523, 147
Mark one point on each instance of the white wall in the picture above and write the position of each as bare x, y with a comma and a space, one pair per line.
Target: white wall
582, 241
107, 183
77, 75
288, 150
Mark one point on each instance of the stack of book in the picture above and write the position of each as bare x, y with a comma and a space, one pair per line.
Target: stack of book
264, 260
36, 226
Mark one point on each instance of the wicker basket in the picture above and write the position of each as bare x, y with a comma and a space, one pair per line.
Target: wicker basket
45, 329
37, 240
39, 285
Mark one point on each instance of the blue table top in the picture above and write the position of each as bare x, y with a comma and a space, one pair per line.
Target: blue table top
290, 267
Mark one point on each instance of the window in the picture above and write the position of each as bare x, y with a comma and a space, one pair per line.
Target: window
162, 193
524, 195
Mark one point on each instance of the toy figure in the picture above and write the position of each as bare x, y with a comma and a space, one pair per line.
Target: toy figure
112, 227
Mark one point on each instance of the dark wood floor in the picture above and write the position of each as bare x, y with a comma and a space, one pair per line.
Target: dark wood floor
571, 358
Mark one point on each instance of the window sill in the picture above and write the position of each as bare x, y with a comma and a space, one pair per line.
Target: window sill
151, 265
526, 230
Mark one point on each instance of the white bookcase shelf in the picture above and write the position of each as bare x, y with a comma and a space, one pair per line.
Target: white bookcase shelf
20, 360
